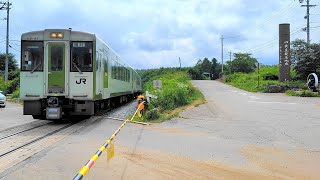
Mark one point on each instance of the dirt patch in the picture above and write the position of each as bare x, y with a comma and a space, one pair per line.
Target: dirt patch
176, 131
286, 164
147, 164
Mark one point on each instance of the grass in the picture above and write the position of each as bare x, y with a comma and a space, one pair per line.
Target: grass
303, 93
249, 82
176, 94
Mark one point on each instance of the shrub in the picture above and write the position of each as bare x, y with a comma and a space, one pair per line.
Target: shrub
16, 93
270, 77
152, 114
12, 85
303, 93
176, 91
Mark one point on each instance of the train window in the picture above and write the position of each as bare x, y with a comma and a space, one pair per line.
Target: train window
125, 74
81, 56
113, 70
118, 71
56, 58
32, 56
129, 76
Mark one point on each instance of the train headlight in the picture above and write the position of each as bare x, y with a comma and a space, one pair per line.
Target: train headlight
53, 35
56, 35
60, 35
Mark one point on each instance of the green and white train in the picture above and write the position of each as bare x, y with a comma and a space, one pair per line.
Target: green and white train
66, 72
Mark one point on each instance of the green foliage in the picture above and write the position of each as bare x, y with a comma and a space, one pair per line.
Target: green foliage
303, 93
12, 65
13, 75
206, 66
242, 62
2, 84
176, 91
152, 114
16, 93
12, 85
153, 74
195, 73
249, 82
306, 59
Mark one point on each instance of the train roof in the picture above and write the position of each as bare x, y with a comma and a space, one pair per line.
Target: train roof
68, 34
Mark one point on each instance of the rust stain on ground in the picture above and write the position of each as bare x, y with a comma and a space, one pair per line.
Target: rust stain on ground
147, 164
285, 164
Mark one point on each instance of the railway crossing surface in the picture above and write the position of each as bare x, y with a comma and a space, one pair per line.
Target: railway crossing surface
235, 135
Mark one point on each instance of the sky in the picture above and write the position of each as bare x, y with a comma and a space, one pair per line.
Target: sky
155, 33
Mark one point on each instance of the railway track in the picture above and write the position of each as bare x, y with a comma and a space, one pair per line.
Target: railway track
24, 141
21, 131
18, 137
15, 141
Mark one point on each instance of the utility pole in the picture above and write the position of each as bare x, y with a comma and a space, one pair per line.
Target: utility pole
230, 54
222, 54
180, 62
6, 6
307, 16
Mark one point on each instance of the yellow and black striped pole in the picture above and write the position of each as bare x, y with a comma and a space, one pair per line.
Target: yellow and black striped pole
84, 170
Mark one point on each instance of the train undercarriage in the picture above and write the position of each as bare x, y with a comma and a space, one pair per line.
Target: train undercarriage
58, 107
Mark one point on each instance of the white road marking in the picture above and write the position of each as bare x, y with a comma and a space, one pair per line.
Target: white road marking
239, 92
272, 102
254, 97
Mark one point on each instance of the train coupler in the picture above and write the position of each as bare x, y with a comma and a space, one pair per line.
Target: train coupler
54, 112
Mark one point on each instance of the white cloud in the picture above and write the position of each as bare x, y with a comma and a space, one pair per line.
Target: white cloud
155, 33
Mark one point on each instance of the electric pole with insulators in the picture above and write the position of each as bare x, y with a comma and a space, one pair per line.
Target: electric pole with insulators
307, 16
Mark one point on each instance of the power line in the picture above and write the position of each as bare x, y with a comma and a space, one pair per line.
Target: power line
315, 27
283, 11
14, 48
15, 44
272, 42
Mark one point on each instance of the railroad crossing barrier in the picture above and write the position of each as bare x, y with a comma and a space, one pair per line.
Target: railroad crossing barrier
136, 122
84, 170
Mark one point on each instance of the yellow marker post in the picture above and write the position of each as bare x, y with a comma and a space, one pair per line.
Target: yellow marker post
110, 152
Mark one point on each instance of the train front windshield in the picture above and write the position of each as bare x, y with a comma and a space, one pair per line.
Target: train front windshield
32, 56
81, 56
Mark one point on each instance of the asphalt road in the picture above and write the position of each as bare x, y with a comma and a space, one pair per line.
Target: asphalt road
236, 135
12, 115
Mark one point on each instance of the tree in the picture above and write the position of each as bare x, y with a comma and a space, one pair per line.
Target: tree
206, 66
242, 62
215, 68
13, 75
305, 59
12, 65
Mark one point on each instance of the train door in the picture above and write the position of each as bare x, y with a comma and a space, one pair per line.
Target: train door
56, 59
105, 73
98, 73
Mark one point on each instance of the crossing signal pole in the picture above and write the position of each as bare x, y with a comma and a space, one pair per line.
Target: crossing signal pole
307, 16
6, 6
